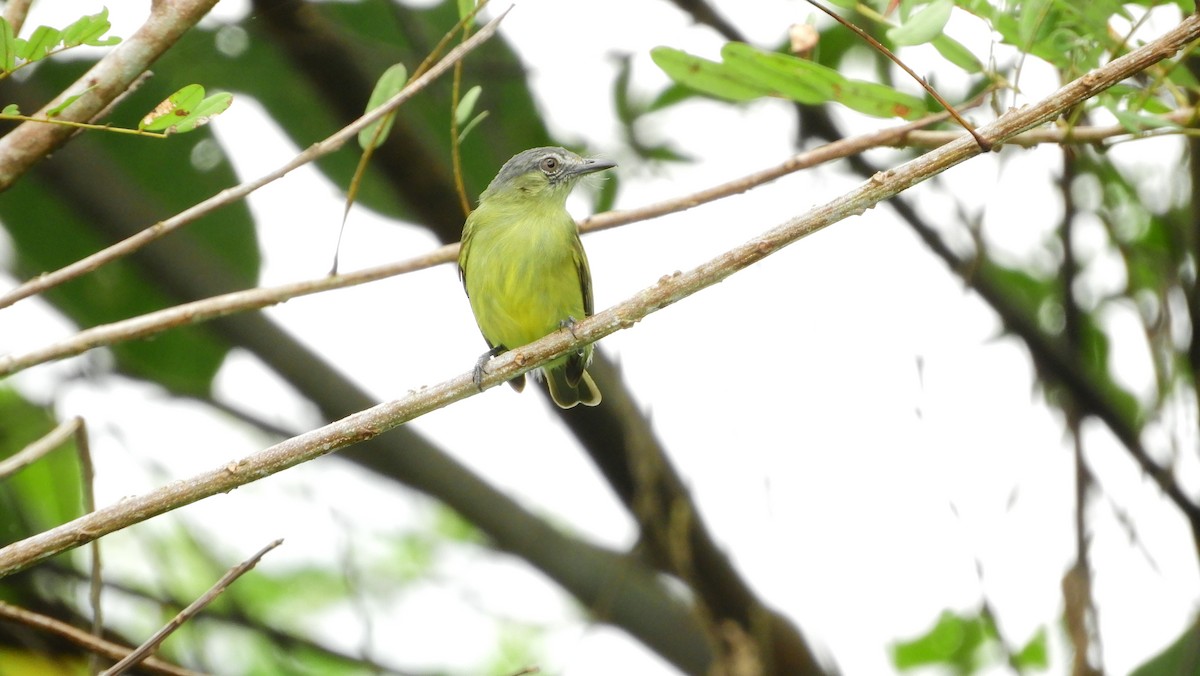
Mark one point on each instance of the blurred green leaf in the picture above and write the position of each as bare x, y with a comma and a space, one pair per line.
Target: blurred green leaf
43, 40
90, 30
955, 642
8, 46
923, 25
1034, 653
747, 73
954, 52
66, 103
389, 84
466, 105
1029, 292
708, 77
465, 7
1181, 658
466, 130
676, 93
1095, 353
783, 75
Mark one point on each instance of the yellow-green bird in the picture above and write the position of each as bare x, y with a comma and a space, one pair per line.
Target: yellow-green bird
524, 268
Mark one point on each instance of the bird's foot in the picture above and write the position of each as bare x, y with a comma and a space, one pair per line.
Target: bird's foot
569, 324
478, 371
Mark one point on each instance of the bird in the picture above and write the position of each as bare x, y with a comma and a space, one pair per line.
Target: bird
524, 269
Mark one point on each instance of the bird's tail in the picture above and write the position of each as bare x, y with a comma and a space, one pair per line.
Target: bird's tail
567, 395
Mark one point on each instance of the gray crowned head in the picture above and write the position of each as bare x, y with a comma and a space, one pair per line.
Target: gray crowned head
531, 173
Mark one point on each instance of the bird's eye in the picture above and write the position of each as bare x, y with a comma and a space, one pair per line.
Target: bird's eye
550, 164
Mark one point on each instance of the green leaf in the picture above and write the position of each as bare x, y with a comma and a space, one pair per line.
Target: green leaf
465, 7
462, 112
676, 93
1135, 121
811, 83
65, 103
11, 109
922, 26
708, 77
8, 46
173, 109
185, 110
872, 98
1033, 655
389, 84
88, 30
953, 51
204, 112
42, 42
1181, 657
954, 642
471, 125
794, 78
1095, 353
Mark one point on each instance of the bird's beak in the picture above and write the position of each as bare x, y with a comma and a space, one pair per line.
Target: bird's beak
589, 166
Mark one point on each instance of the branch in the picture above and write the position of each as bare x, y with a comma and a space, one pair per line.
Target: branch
143, 651
376, 420
34, 451
1185, 117
230, 195
85, 640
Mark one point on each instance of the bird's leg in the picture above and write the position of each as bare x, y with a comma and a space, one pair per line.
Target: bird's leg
477, 374
569, 324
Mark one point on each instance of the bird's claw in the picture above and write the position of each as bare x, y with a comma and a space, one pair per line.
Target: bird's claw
569, 324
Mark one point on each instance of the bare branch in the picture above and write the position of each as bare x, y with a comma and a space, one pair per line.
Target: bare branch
1185, 117
95, 583
33, 452
143, 651
85, 640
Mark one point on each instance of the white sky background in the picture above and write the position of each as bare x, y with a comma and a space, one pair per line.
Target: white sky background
858, 434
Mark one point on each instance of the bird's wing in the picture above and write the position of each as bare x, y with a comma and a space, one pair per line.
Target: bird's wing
585, 278
464, 250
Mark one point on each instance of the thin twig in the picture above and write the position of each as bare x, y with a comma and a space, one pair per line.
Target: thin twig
95, 582
33, 452
230, 195
143, 651
984, 144
1186, 118
372, 422
85, 640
